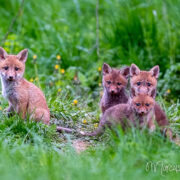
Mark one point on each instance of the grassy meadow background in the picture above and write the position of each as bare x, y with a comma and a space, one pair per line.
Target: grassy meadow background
61, 37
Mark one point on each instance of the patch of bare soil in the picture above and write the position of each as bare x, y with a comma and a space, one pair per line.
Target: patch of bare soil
80, 145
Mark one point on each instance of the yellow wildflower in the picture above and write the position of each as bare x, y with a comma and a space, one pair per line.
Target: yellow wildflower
168, 91
84, 121
58, 57
62, 71
75, 102
34, 57
59, 90
96, 125
100, 84
0, 108
99, 69
56, 66
31, 80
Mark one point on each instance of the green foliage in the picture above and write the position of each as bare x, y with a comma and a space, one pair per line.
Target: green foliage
126, 157
16, 130
141, 32
170, 84
36, 151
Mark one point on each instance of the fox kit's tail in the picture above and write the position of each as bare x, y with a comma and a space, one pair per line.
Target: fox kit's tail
99, 131
63, 129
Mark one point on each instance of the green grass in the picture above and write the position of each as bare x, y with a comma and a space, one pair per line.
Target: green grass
30, 150
125, 157
142, 32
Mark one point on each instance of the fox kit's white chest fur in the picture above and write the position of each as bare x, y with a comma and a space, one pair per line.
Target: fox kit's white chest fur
8, 89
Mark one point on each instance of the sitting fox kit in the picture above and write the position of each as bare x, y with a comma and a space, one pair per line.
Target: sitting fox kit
114, 84
23, 97
146, 81
139, 111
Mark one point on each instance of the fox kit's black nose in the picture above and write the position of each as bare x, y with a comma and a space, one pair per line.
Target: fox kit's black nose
142, 113
10, 78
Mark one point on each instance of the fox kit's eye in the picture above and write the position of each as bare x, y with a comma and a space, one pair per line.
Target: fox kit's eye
138, 104
16, 68
147, 104
118, 83
109, 82
149, 84
138, 83
6, 68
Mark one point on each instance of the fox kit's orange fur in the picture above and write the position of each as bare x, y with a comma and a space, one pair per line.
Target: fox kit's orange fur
138, 111
23, 97
146, 81
114, 83
143, 81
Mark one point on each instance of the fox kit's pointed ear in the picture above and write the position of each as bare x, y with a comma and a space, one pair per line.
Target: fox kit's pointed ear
125, 71
22, 56
134, 70
132, 93
3, 54
153, 93
106, 69
155, 71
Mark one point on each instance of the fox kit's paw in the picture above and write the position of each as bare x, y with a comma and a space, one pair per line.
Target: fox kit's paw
152, 128
177, 140
41, 114
168, 133
9, 111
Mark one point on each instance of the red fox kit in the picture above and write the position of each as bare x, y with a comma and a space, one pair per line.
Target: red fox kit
138, 111
23, 96
145, 81
114, 83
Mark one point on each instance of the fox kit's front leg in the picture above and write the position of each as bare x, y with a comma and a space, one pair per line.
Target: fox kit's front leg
21, 109
151, 124
10, 110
